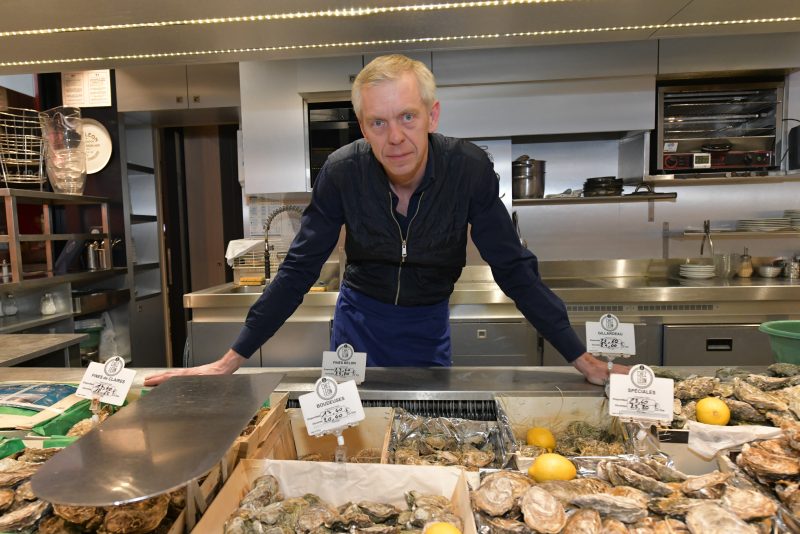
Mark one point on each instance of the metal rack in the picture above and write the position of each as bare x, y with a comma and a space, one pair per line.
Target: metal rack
21, 147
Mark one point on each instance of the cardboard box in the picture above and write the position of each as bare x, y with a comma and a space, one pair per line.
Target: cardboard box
340, 483
374, 432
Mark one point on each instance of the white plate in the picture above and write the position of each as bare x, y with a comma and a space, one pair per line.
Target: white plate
697, 276
97, 142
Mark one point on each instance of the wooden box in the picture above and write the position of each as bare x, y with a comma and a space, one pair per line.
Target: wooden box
246, 446
340, 483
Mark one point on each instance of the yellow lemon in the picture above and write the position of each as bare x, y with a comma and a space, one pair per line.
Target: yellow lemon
713, 411
440, 527
551, 466
541, 437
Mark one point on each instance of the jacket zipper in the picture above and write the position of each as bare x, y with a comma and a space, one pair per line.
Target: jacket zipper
404, 241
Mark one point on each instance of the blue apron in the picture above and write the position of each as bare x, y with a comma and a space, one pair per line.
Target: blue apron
392, 336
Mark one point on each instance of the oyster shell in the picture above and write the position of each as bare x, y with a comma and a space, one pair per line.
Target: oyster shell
498, 493
710, 486
674, 505
367, 456
379, 512
695, 388
665, 473
445, 458
676, 406
632, 493
754, 396
618, 472
748, 504
583, 521
350, 515
377, 529
265, 491
640, 467
57, 525
87, 517
744, 412
24, 492
713, 519
764, 464
13, 472
769, 383
311, 457
729, 373
23, 517
316, 515
136, 518
670, 526
6, 498
565, 490
613, 526
784, 369
499, 525
622, 508
542, 512
416, 499
791, 396
789, 494
406, 455
37, 456
723, 389
83, 426
472, 457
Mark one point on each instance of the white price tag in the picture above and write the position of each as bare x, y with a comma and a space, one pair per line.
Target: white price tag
344, 364
331, 406
109, 382
609, 336
640, 395
670, 146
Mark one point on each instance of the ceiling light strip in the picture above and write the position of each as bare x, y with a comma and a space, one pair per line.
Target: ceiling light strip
384, 42
299, 15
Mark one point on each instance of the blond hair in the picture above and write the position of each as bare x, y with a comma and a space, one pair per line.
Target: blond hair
390, 68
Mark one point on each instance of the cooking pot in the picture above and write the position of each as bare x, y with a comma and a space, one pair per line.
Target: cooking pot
527, 178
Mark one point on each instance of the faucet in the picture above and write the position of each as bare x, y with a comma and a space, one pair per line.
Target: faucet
277, 211
707, 235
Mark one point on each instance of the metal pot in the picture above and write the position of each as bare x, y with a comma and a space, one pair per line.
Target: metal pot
527, 178
92, 256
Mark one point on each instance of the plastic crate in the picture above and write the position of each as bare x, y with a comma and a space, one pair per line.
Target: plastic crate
784, 338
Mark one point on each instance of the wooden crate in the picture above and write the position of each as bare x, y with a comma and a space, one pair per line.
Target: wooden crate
247, 445
340, 483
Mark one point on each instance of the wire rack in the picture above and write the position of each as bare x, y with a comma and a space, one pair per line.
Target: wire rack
21, 147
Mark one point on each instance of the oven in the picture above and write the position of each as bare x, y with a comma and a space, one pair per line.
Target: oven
330, 124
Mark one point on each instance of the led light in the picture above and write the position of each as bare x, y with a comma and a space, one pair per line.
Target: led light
330, 13
384, 42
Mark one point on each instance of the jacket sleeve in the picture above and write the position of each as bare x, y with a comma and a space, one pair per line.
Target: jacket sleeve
320, 226
515, 268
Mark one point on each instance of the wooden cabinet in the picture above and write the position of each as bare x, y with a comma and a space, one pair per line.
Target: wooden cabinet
165, 87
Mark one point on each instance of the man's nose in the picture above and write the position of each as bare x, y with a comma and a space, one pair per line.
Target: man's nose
395, 133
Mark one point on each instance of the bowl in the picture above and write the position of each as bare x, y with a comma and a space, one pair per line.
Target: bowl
768, 271
784, 338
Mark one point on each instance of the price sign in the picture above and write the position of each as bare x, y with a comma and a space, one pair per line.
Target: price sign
331, 406
344, 364
109, 382
640, 395
609, 336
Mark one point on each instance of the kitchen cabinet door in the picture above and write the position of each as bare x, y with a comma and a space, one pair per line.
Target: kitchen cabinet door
212, 86
151, 88
148, 340
484, 343
327, 74
716, 344
209, 341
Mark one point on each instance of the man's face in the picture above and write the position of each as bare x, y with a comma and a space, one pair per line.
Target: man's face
396, 123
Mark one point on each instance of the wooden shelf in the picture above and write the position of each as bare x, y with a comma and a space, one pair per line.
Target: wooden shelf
138, 219
60, 237
21, 321
594, 200
42, 197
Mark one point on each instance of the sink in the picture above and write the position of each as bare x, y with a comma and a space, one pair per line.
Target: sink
239, 290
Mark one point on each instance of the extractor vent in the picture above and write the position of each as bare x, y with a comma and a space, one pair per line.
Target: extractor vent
675, 307
594, 308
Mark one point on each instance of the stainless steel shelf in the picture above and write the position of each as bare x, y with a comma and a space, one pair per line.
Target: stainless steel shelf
60, 237
719, 180
41, 197
782, 233
21, 321
75, 278
595, 200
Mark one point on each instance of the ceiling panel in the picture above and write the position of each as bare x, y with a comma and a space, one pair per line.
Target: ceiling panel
699, 10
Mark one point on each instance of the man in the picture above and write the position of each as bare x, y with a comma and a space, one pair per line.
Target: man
407, 197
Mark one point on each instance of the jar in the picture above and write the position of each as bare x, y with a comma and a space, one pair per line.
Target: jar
48, 306
745, 266
792, 268
10, 305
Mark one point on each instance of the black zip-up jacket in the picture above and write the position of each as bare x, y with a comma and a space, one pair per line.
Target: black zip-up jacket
458, 193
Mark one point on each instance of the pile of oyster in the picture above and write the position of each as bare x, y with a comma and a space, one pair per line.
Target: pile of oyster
265, 509
580, 438
22, 511
370, 455
419, 440
625, 496
770, 399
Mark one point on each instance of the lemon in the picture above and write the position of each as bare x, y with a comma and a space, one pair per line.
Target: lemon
440, 527
713, 411
551, 466
541, 437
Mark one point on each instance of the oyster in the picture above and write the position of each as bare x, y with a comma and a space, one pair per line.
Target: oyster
622, 508
676, 406
779, 418
789, 494
769, 383
37, 456
723, 389
57, 525
663, 372
640, 467
744, 412
416, 499
764, 464
710, 486
665, 473
630, 492
498, 492
311, 457
265, 491
695, 388
349, 515
24, 492
316, 515
83, 426
87, 517
670, 526
729, 373
689, 411
713, 519
674, 505
377, 529
136, 518
754, 396
23, 517
445, 458
784, 369
613, 526
406, 455
748, 504
472, 457
6, 498
379, 512
436, 442
791, 396
542, 512
622, 476
584, 521
13, 472
499, 525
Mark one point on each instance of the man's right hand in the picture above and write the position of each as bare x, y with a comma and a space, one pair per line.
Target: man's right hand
226, 365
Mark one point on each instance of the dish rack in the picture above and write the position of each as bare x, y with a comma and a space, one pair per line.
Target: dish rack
251, 265
21, 147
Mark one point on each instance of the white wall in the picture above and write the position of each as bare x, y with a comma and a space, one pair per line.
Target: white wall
22, 83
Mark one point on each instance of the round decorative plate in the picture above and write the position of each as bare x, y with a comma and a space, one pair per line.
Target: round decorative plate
97, 142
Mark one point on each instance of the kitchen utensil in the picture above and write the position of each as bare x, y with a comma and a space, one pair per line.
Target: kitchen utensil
20, 147
65, 155
768, 271
527, 178
92, 255
745, 266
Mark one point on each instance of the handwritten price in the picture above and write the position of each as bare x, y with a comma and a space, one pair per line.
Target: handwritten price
611, 343
104, 390
333, 415
344, 372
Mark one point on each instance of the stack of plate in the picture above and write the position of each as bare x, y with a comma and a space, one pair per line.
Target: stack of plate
694, 270
603, 186
764, 225
794, 218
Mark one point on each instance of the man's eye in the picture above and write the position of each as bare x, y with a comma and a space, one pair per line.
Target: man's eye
408, 117
377, 123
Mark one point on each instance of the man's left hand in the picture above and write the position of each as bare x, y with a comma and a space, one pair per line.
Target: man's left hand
595, 370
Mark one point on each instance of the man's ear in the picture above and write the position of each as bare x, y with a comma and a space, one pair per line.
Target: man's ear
434, 117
